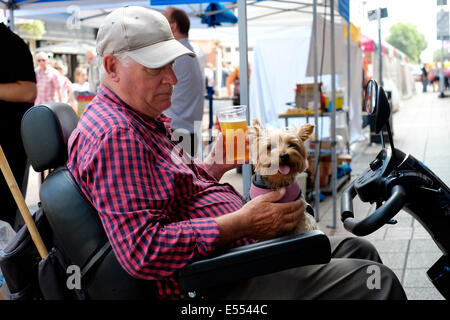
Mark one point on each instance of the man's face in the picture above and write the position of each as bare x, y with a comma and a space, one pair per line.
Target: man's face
41, 60
147, 90
89, 57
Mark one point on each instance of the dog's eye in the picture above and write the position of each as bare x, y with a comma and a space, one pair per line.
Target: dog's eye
292, 145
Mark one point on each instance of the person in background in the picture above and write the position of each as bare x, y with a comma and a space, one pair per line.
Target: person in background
189, 93
17, 94
435, 80
201, 57
81, 84
48, 85
209, 75
424, 78
446, 78
66, 85
234, 78
92, 70
226, 70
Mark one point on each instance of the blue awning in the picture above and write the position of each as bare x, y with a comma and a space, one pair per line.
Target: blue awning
344, 9
217, 19
178, 2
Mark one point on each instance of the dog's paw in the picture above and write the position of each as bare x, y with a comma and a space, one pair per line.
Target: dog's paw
311, 223
307, 223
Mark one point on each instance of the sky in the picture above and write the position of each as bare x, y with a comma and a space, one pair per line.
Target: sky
421, 13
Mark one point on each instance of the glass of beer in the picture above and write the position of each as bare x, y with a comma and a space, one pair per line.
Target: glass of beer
233, 124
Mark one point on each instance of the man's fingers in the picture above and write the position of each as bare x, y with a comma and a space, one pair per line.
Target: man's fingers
292, 215
218, 141
273, 196
287, 207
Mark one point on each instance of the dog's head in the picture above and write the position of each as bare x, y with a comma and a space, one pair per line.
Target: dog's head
279, 155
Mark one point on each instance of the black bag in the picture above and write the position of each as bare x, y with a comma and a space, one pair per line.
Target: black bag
52, 276
27, 275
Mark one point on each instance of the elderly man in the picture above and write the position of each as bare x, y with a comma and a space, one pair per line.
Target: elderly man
161, 213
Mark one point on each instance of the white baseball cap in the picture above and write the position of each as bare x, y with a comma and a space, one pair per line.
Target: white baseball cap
143, 33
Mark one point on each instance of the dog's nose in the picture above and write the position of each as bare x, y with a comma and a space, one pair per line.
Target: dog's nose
284, 157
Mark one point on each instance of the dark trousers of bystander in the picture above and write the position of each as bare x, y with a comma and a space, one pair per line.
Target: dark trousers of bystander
17, 159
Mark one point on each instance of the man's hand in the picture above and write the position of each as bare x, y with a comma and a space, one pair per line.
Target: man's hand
215, 162
261, 218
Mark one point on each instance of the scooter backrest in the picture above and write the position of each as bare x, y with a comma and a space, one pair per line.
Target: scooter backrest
75, 223
45, 131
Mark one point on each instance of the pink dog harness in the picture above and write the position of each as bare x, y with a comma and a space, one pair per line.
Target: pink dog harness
293, 192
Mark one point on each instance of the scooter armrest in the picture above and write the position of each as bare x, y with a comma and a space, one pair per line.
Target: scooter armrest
308, 248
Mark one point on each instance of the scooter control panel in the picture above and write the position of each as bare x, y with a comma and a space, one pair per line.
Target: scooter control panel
368, 184
376, 164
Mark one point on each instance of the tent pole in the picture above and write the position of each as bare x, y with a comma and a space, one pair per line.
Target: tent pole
316, 116
11, 15
380, 52
243, 70
349, 85
333, 116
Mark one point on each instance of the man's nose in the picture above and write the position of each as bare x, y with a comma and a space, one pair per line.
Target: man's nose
170, 77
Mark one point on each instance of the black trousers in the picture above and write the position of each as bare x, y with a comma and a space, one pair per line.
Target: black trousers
348, 276
17, 159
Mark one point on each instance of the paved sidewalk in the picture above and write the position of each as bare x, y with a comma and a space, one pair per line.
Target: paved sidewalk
422, 128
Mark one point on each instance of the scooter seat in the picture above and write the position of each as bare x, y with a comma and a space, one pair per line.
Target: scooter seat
75, 223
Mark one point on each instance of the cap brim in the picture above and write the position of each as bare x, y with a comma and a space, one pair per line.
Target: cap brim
160, 54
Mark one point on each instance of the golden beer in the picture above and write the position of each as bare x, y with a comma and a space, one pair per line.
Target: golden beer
233, 124
235, 144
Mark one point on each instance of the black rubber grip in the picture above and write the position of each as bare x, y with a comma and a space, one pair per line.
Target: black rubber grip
379, 218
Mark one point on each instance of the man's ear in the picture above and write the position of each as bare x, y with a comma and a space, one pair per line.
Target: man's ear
305, 132
111, 63
257, 127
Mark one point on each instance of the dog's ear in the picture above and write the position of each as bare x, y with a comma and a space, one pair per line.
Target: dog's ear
257, 127
305, 131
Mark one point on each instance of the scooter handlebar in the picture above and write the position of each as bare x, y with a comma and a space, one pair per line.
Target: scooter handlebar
377, 219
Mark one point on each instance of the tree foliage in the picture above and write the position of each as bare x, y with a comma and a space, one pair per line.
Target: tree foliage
437, 55
36, 28
405, 37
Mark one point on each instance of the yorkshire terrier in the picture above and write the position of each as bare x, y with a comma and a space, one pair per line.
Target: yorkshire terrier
278, 156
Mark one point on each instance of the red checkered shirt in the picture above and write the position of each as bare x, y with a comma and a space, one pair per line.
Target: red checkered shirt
47, 83
158, 215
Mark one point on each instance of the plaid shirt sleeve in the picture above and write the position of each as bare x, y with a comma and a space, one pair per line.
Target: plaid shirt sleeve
130, 191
